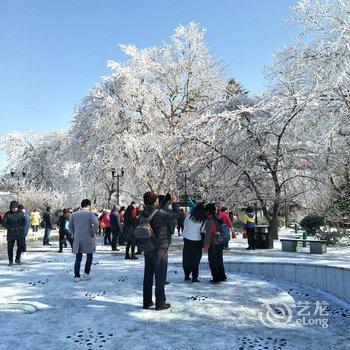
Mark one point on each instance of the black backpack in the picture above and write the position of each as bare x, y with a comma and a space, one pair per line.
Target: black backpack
144, 235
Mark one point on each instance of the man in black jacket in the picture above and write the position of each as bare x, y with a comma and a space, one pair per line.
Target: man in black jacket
47, 225
156, 261
14, 222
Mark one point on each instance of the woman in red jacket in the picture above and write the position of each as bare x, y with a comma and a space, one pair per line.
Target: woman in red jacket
225, 217
106, 226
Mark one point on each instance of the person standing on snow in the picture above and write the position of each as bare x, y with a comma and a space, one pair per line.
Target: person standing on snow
213, 246
35, 220
249, 226
47, 221
156, 261
63, 224
193, 242
225, 218
26, 226
83, 225
130, 222
14, 221
115, 227
105, 223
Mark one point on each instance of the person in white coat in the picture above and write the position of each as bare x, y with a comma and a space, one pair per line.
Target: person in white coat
193, 242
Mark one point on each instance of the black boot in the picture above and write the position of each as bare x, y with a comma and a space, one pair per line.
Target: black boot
148, 306
164, 306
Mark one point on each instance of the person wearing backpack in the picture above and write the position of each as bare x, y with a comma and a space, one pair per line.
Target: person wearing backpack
225, 217
193, 243
156, 249
214, 244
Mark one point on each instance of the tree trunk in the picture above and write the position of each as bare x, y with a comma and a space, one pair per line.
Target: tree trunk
286, 215
273, 222
273, 228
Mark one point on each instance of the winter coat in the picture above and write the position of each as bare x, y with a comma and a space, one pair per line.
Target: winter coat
249, 220
115, 221
35, 218
225, 218
47, 218
130, 222
181, 220
83, 225
211, 230
192, 230
160, 223
170, 225
63, 225
105, 222
26, 224
14, 223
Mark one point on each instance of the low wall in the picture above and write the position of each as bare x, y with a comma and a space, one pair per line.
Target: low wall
331, 279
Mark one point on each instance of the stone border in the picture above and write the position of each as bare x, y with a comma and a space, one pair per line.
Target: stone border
331, 279
25, 308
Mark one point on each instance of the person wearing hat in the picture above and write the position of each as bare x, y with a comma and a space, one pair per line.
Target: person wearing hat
156, 261
14, 221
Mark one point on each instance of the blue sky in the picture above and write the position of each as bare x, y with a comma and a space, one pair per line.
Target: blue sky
53, 51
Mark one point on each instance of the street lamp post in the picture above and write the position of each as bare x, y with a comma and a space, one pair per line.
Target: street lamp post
118, 176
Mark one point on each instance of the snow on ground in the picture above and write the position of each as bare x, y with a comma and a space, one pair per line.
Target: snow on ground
106, 312
335, 256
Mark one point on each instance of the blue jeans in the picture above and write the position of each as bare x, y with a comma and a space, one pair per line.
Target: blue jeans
47, 235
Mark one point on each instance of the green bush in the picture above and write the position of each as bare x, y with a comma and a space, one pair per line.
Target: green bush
331, 236
280, 222
262, 221
312, 223
238, 225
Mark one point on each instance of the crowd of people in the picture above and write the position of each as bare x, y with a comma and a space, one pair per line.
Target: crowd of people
147, 228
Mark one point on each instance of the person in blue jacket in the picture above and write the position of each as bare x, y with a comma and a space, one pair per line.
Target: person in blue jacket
26, 226
26, 220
